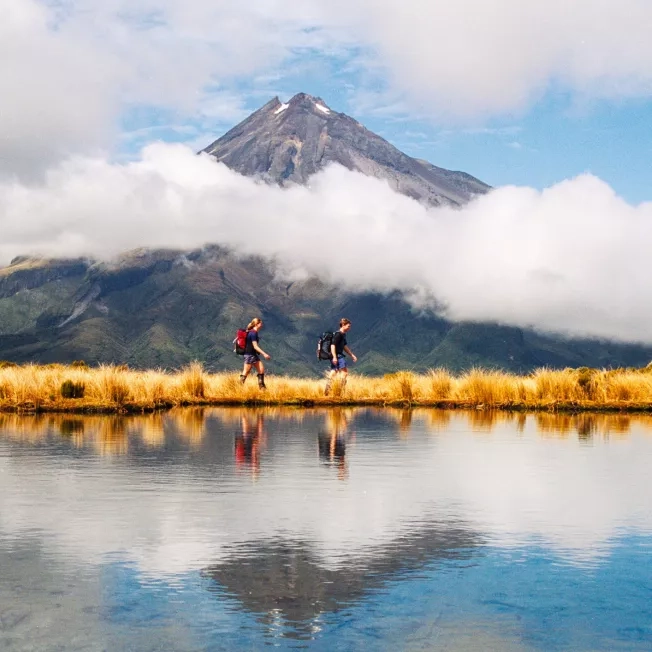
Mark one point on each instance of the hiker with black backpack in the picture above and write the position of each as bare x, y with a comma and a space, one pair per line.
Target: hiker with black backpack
338, 349
252, 352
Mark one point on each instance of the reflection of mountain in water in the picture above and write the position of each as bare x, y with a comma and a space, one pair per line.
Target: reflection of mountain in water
284, 580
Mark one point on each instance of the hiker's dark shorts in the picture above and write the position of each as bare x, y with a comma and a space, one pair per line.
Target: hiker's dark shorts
341, 364
251, 358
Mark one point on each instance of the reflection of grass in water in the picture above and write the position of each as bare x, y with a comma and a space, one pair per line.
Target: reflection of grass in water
189, 424
150, 428
549, 422
587, 425
111, 435
482, 420
437, 419
70, 427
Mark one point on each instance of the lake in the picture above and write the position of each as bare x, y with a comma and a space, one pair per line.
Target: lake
342, 529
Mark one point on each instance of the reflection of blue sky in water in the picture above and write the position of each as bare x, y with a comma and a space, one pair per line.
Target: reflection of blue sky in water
499, 600
520, 531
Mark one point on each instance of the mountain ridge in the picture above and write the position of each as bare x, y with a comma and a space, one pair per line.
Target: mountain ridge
286, 143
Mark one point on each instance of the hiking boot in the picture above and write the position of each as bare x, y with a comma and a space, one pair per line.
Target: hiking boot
261, 381
243, 378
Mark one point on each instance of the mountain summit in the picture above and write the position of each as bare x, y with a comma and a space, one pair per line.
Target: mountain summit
286, 143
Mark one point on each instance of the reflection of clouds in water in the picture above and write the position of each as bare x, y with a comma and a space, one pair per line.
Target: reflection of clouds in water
560, 492
501, 473
26, 607
47, 605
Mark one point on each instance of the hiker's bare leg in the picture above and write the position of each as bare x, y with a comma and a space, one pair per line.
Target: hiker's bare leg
245, 372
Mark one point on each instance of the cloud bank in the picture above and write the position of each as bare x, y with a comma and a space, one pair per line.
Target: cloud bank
572, 258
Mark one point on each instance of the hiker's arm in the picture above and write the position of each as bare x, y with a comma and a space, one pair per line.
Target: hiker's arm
333, 353
259, 350
348, 350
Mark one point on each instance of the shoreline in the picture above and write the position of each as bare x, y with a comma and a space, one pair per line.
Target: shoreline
110, 389
134, 409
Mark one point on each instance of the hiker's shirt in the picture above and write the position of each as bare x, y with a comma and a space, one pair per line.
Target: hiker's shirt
339, 340
252, 336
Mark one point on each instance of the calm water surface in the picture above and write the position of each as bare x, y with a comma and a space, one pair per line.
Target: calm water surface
329, 530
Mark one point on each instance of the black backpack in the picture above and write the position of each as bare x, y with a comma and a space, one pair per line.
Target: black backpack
324, 346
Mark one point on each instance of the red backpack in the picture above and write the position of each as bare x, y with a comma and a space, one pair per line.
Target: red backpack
240, 341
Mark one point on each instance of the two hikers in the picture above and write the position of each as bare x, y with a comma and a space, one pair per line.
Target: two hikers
339, 347
252, 353
247, 343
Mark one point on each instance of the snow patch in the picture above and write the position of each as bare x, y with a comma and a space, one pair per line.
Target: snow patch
322, 108
281, 109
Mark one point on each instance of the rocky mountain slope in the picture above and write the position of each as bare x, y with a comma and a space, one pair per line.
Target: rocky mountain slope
287, 143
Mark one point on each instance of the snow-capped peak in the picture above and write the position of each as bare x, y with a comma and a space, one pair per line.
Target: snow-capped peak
322, 108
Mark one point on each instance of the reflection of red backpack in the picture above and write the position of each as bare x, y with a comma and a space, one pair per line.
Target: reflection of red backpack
240, 341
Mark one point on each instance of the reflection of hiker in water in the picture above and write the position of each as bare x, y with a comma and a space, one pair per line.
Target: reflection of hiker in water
332, 443
248, 443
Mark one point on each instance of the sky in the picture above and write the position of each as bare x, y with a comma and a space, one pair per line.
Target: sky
105, 103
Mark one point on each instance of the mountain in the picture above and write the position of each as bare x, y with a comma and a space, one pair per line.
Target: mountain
166, 308
287, 143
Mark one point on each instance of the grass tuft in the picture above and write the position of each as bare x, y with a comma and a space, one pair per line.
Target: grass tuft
72, 389
192, 382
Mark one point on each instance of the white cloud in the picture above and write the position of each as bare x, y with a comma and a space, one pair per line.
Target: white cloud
55, 95
472, 57
571, 258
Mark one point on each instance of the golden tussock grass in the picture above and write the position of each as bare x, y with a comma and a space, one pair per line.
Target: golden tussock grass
117, 388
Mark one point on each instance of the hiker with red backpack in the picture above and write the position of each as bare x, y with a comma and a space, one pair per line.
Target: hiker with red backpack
246, 343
